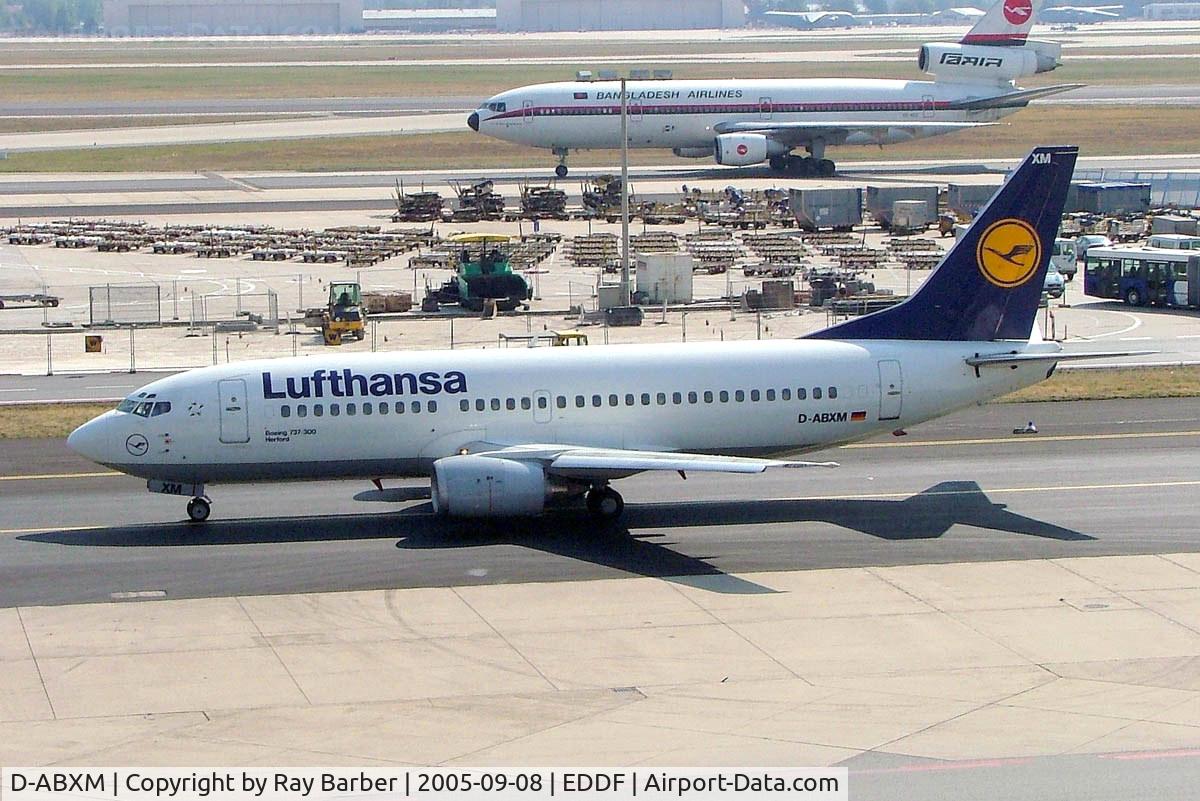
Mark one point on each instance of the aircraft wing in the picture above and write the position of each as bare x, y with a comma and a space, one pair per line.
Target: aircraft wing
1009, 359
571, 461
799, 133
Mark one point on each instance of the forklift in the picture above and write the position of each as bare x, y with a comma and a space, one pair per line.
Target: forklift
344, 314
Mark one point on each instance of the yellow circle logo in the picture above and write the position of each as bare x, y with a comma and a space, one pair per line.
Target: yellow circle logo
1009, 253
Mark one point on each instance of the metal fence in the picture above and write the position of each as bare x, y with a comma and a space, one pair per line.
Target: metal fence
1179, 190
116, 304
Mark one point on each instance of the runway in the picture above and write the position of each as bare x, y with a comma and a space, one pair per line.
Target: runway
1102, 478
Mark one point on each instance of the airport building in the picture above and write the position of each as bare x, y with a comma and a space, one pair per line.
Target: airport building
231, 17
618, 15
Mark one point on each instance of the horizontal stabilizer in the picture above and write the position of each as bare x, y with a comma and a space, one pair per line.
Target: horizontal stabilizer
1018, 99
1006, 359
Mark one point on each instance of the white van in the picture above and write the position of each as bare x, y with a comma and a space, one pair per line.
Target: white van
1174, 242
1062, 258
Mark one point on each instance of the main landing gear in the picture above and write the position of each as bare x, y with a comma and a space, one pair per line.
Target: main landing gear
198, 509
561, 170
605, 503
803, 167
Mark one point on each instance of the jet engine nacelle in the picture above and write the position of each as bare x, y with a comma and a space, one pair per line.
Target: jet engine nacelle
482, 486
693, 152
973, 63
744, 149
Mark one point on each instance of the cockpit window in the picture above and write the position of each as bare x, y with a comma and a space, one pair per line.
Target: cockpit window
144, 408
161, 407
127, 405
497, 107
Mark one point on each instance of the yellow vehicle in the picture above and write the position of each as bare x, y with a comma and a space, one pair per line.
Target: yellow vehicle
569, 339
344, 315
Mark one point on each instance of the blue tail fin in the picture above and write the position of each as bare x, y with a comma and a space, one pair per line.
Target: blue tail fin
989, 284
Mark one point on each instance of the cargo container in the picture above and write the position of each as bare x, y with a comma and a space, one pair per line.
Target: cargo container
912, 215
1109, 197
1174, 224
967, 199
881, 200
839, 209
665, 277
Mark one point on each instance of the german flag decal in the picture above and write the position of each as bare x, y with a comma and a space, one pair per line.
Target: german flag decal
857, 417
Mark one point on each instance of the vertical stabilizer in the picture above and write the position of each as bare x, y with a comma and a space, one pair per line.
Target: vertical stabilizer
990, 283
1006, 24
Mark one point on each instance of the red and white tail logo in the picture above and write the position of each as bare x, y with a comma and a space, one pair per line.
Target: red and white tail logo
1007, 23
1018, 11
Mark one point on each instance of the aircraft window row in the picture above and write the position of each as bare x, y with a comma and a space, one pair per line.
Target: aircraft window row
354, 409
646, 399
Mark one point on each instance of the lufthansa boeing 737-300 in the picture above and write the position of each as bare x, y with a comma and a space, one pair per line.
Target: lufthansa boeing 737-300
741, 122
510, 432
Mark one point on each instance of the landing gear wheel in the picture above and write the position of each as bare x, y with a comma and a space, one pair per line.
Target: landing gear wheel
605, 503
561, 170
198, 509
800, 167
778, 163
825, 168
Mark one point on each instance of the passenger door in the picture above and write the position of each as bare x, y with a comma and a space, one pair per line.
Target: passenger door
235, 416
891, 389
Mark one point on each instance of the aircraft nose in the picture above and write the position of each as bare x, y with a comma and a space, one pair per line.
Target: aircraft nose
90, 440
473, 121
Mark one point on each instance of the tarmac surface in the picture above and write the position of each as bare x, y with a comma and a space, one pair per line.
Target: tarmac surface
960, 613
957, 490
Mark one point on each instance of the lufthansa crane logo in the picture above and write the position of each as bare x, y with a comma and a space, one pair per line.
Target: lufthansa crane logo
1009, 253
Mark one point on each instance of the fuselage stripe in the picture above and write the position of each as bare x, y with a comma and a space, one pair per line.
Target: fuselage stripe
708, 108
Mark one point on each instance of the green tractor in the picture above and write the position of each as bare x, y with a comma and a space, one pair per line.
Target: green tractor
484, 274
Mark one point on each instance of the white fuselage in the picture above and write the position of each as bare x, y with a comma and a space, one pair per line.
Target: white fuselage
686, 113
393, 414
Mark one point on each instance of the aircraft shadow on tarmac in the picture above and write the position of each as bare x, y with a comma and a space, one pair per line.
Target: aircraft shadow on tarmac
927, 515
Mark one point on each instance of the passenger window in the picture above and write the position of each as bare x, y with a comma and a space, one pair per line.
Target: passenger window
613, 400
832, 393
816, 393
561, 401
526, 404
708, 396
383, 408
786, 394
580, 402
495, 404
464, 405
351, 409
318, 410
739, 395
301, 410
645, 398
430, 407
480, 405
334, 409
399, 407
801, 393
285, 411
676, 398
511, 404
755, 396
692, 397
724, 396
542, 402
597, 401
629, 399
367, 408
162, 407
416, 407
770, 395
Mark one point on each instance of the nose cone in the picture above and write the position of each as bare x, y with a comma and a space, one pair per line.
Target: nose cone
473, 121
90, 440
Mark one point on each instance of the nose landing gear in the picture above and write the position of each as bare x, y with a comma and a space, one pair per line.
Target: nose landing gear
198, 509
561, 170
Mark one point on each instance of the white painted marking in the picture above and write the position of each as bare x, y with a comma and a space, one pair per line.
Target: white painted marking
1188, 336
1137, 322
137, 595
112, 386
1133, 339
30, 389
